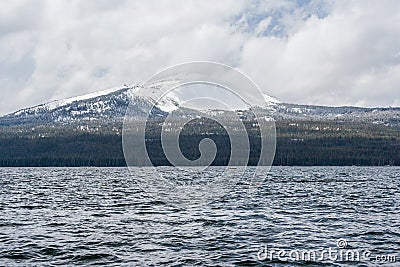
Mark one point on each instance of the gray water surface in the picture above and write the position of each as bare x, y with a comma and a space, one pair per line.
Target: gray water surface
89, 216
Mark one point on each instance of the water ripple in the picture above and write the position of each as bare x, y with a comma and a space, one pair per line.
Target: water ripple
99, 216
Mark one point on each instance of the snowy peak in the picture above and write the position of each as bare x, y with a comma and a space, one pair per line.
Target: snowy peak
55, 104
155, 93
270, 100
109, 106
170, 94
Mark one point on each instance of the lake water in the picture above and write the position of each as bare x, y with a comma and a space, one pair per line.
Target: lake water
85, 216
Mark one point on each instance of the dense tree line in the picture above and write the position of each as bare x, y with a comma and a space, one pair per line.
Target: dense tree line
106, 150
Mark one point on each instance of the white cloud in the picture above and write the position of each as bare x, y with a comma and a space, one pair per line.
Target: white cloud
55, 49
342, 59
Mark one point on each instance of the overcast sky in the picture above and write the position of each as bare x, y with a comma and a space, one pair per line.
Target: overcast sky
309, 52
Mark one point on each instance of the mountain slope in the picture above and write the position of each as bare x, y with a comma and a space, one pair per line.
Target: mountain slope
109, 106
86, 131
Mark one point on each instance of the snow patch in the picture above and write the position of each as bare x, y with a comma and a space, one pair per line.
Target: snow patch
64, 102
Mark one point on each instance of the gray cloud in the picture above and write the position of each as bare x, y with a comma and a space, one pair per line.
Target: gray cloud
349, 57
318, 52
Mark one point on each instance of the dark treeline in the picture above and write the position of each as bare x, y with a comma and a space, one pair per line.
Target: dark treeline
106, 150
70, 151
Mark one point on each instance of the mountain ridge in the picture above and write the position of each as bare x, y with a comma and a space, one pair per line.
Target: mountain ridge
87, 131
111, 104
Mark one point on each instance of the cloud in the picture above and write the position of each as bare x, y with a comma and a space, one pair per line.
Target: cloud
317, 52
349, 57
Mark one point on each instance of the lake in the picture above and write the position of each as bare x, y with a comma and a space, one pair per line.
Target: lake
337, 216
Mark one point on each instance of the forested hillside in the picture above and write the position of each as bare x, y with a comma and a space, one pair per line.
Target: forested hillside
298, 143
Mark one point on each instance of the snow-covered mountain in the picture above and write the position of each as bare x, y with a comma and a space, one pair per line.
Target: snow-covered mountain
110, 106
